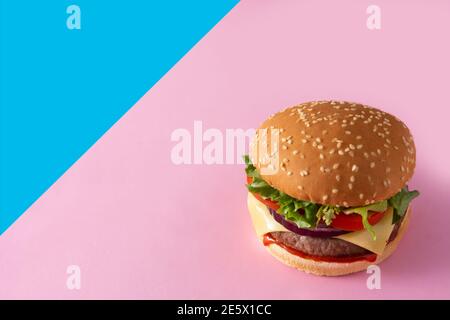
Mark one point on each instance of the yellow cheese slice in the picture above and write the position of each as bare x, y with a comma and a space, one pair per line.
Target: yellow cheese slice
263, 223
364, 239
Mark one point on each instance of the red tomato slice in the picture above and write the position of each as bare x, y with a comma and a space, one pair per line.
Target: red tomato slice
271, 204
353, 222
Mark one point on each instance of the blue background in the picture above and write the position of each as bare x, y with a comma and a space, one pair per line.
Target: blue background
61, 89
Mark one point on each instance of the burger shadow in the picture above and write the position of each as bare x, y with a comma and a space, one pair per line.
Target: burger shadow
425, 246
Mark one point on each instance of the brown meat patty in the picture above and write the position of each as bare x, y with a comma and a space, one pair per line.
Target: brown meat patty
330, 247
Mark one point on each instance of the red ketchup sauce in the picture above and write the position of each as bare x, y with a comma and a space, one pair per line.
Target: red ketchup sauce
268, 240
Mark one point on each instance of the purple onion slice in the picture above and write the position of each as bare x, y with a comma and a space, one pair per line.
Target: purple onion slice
318, 232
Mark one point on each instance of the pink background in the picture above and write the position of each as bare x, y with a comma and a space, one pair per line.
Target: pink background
140, 227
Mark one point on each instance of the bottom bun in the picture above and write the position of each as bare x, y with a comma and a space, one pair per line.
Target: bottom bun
322, 268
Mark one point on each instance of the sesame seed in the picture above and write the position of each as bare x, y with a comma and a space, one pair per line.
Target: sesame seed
318, 140
324, 132
335, 191
302, 156
289, 141
300, 187
352, 178
361, 196
350, 186
338, 177
321, 156
284, 147
372, 164
325, 197
348, 132
304, 173
336, 165
341, 152
359, 146
283, 139
345, 203
295, 152
332, 151
366, 155
355, 168
320, 147
351, 146
304, 140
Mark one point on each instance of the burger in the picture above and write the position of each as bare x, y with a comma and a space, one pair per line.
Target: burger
327, 185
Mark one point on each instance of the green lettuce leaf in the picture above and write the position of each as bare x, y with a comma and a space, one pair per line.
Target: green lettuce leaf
400, 202
327, 213
364, 212
289, 207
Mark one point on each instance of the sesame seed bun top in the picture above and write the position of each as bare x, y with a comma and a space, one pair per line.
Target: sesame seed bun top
335, 152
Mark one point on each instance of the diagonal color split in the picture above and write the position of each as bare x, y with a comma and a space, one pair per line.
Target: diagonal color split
61, 89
